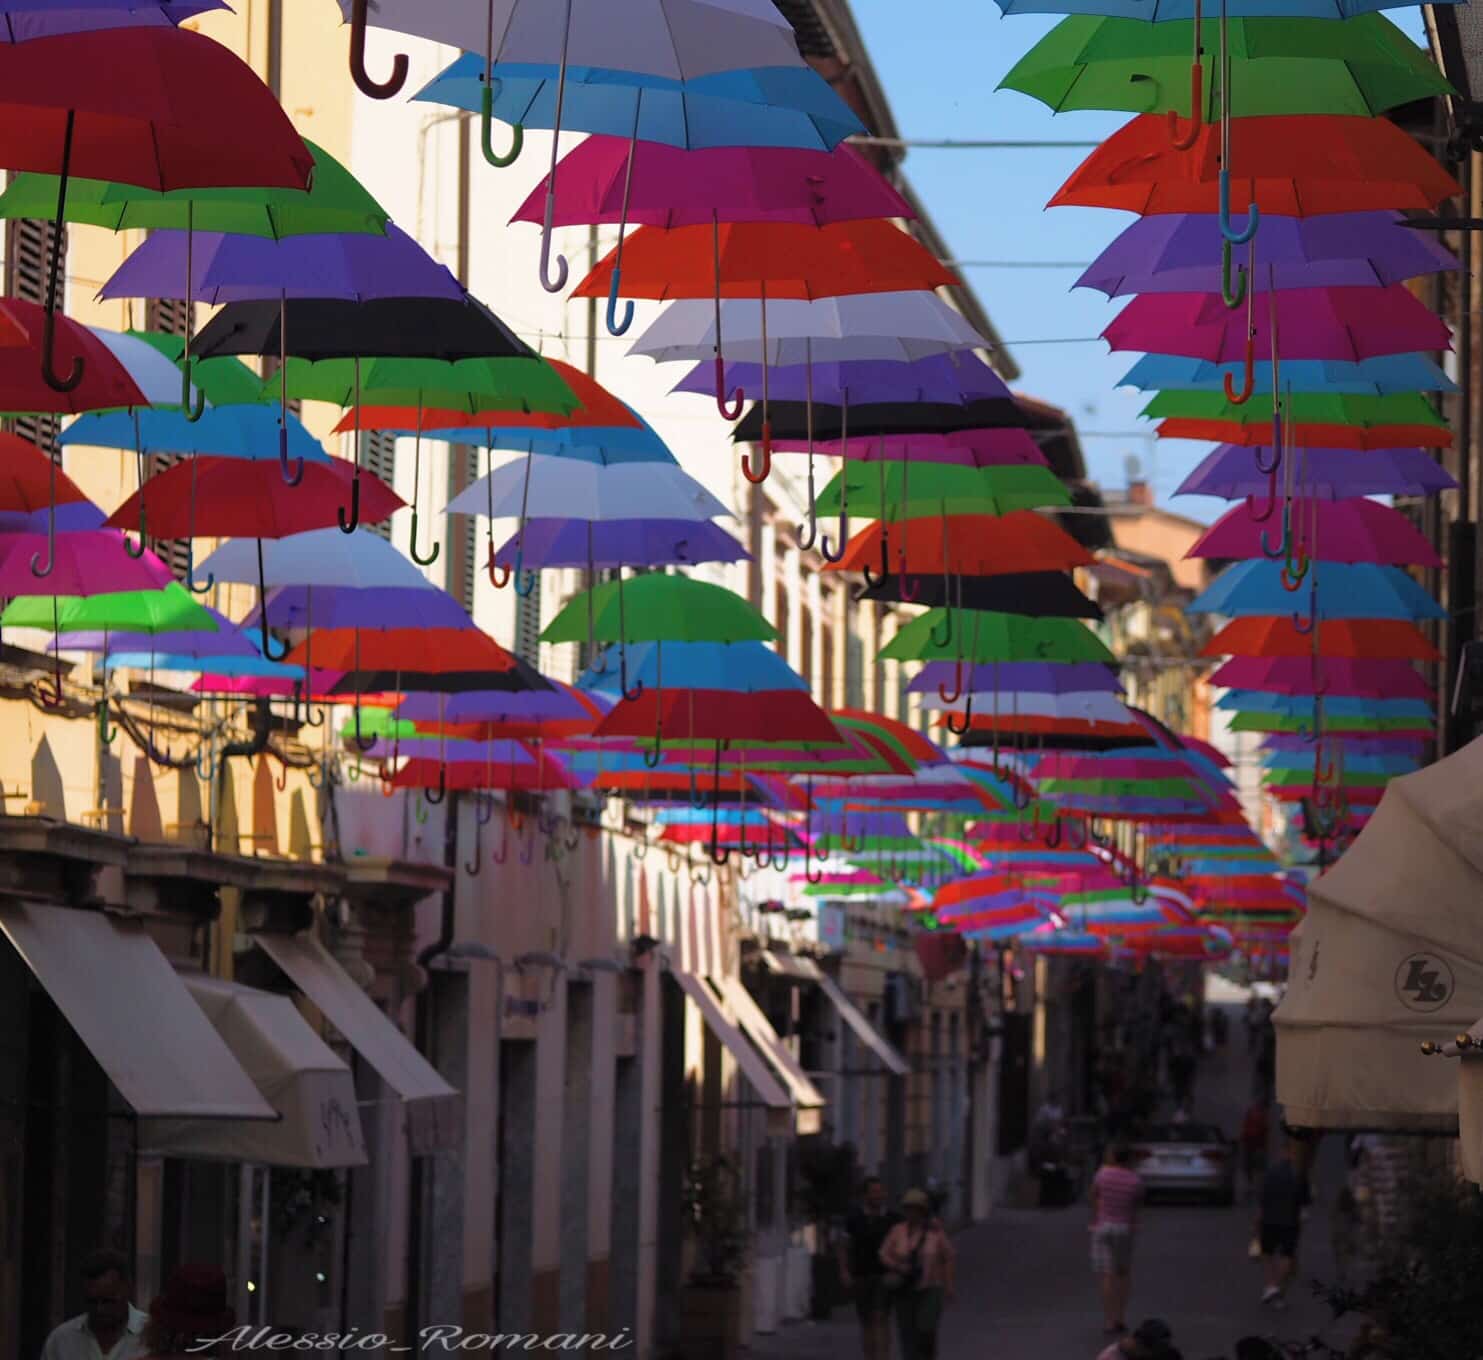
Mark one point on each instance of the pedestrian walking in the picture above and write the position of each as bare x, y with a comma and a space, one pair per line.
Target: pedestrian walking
191, 1316
1117, 1194
861, 1270
919, 1262
1279, 1223
1152, 1339
109, 1327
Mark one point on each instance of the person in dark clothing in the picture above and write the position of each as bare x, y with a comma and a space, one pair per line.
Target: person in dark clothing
861, 1271
1279, 1221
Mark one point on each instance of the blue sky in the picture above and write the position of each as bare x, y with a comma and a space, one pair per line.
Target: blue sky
940, 61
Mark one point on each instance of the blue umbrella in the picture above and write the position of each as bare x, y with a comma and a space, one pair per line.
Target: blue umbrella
1379, 376
255, 665
1165, 10
744, 667
1302, 705
1353, 764
1358, 590
249, 431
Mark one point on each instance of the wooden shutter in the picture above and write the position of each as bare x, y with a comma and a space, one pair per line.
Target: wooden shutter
27, 251
378, 455
528, 625
461, 548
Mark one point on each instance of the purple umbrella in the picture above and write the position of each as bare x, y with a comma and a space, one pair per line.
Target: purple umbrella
226, 267
614, 543
40, 19
1312, 323
1182, 252
494, 706
354, 607
227, 640
1231, 472
947, 379
71, 516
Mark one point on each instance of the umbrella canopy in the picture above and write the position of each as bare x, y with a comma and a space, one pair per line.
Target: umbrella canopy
322, 557
738, 666
1268, 636
1180, 253
903, 492
1346, 531
1314, 323
1165, 10
606, 180
1287, 65
1230, 472
945, 379
1308, 165
1026, 677
1340, 677
657, 607
1050, 593
1311, 419
608, 543
794, 420
558, 488
995, 637
30, 481
1358, 590
165, 608
222, 431
240, 268
107, 380
970, 545
770, 260
1370, 377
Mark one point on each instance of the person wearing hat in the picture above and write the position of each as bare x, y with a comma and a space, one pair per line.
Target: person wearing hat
919, 1261
190, 1315
1152, 1339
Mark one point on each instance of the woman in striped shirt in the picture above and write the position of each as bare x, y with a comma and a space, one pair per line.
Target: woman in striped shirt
1117, 1193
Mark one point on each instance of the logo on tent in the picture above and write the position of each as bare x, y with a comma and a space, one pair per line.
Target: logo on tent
1424, 982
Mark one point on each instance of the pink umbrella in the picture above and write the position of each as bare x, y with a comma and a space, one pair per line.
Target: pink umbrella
88, 562
1323, 675
269, 686
1349, 324
1355, 530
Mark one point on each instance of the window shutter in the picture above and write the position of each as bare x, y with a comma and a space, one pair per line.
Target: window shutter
528, 625
27, 248
170, 316
462, 548
378, 455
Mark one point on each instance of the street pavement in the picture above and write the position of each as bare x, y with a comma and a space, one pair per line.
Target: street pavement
1026, 1292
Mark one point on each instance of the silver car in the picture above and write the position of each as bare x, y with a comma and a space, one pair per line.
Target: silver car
1185, 1159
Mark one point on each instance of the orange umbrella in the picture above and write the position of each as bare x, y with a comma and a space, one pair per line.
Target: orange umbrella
596, 407
762, 260
967, 545
1268, 636
1313, 436
770, 260
1309, 165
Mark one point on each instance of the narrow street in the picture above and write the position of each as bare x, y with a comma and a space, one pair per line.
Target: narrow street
1025, 1289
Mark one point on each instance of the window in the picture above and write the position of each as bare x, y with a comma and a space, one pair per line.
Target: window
827, 687
378, 455
462, 547
27, 247
806, 646
528, 624
170, 316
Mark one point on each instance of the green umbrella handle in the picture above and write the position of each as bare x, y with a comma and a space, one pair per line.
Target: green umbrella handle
192, 403
370, 88
1232, 297
486, 129
107, 733
412, 546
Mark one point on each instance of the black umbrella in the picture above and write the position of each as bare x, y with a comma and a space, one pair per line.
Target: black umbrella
1048, 741
790, 419
518, 679
1051, 594
335, 328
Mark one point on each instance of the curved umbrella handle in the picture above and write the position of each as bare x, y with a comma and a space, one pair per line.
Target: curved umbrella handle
495, 579
107, 733
632, 695
957, 686
737, 398
486, 133
764, 464
1307, 625
1183, 141
525, 582
412, 546
1294, 570
1052, 838
909, 593
551, 285
442, 787
292, 469
192, 404
51, 548
135, 548
827, 550
48, 359
1232, 297
616, 327
1248, 377
190, 572
1271, 468
947, 632
350, 523
1265, 515
1253, 215
371, 89
967, 724
472, 867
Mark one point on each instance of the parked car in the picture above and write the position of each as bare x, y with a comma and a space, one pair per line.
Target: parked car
1186, 1159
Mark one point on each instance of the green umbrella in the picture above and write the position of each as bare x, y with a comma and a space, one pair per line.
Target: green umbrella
1257, 721
1361, 67
1300, 408
659, 608
983, 637
335, 202
931, 488
1121, 788
463, 385
171, 610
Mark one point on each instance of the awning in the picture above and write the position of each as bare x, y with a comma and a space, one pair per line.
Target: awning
434, 1110
785, 964
769, 1091
296, 1073
867, 1033
133, 1014
758, 1028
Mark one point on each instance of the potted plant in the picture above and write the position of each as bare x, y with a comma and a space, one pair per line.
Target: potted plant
716, 1221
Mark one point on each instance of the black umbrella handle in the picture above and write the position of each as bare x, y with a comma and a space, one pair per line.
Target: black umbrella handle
53, 279
349, 524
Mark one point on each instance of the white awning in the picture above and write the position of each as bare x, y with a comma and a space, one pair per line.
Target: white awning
753, 1068
132, 1012
759, 1029
434, 1110
295, 1071
867, 1033
782, 963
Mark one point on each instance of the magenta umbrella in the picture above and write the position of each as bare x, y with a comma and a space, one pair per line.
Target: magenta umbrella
1350, 324
88, 562
609, 179
1325, 531
1320, 675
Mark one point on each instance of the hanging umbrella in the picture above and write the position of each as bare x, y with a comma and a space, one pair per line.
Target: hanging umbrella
1164, 10
543, 486
238, 431
1376, 377
1310, 419
965, 545
31, 485
1283, 66
87, 562
164, 607
390, 660
945, 379
1050, 593
1178, 253
24, 20
611, 543
1359, 590
967, 448
1346, 531
1231, 473
996, 637
1309, 165
1267, 636
1339, 677
923, 491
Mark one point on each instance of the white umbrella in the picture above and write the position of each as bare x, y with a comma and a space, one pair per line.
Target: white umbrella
321, 557
1388, 957
546, 487
887, 326
153, 374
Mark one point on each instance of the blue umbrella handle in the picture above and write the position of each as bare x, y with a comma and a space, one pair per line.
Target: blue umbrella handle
616, 327
486, 133
1253, 215
292, 469
370, 88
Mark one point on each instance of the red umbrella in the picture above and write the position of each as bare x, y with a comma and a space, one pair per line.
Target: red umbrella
709, 715
30, 481
1266, 636
23, 387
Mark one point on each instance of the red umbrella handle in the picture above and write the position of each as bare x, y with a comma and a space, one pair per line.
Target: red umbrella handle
370, 88
1248, 376
764, 463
